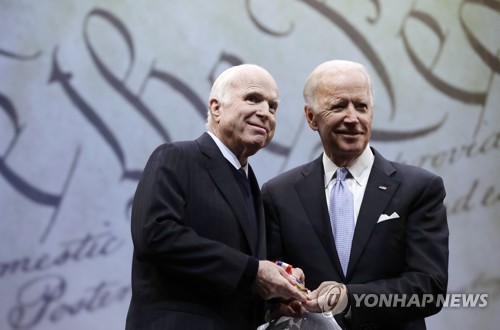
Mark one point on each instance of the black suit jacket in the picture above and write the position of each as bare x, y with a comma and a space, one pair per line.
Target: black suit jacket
191, 267
405, 255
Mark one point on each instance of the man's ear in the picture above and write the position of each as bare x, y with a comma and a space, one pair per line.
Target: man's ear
214, 108
311, 118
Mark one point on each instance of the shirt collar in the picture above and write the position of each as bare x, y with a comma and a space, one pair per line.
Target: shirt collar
359, 170
227, 153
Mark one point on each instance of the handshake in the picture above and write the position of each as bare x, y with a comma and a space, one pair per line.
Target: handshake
281, 282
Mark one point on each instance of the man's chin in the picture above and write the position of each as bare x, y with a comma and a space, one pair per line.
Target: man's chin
256, 144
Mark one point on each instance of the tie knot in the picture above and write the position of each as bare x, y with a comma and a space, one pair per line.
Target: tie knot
242, 172
342, 173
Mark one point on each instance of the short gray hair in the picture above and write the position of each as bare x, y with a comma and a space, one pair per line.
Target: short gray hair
332, 66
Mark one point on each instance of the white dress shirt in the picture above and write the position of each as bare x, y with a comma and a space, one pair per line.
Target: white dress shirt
228, 154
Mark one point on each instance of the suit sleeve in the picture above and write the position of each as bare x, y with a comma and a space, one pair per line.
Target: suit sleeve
426, 264
161, 237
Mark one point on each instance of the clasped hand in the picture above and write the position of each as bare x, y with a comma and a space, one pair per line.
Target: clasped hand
330, 296
294, 299
274, 281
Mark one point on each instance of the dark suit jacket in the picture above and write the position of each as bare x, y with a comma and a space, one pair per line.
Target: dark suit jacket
398, 256
190, 266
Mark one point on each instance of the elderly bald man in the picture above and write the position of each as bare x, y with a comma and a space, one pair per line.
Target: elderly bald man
198, 223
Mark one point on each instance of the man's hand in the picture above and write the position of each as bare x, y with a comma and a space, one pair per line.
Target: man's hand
273, 281
299, 274
328, 297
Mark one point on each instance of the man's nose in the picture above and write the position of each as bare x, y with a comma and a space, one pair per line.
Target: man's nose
264, 110
351, 115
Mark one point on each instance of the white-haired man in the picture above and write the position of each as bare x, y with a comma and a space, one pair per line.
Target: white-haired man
357, 224
197, 218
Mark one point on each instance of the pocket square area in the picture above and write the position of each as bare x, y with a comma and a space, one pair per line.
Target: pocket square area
384, 217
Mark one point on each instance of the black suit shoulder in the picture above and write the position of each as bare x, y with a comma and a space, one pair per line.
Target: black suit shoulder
180, 148
295, 174
413, 171
176, 157
419, 179
405, 170
168, 158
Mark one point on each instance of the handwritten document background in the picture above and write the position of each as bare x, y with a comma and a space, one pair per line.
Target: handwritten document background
89, 88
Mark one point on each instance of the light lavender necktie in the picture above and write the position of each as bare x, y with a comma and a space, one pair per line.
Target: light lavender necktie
342, 217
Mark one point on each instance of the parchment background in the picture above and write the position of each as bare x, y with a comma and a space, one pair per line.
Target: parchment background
89, 88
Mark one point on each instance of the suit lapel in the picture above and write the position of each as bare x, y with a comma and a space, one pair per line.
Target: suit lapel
311, 191
379, 191
222, 176
259, 213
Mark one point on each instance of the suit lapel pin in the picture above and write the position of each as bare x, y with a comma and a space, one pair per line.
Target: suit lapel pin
382, 187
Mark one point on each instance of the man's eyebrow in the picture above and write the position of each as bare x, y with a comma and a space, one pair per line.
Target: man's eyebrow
254, 93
